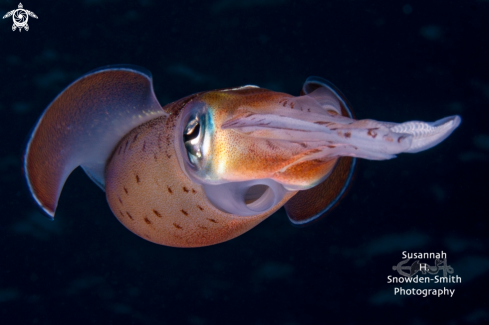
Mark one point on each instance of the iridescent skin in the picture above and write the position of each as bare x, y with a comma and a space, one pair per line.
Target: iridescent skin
265, 157
210, 166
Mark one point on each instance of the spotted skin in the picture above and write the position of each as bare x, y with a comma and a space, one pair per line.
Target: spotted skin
165, 206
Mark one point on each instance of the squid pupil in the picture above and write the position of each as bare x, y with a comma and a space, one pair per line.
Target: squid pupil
194, 133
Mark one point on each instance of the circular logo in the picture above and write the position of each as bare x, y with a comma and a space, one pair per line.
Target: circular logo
20, 17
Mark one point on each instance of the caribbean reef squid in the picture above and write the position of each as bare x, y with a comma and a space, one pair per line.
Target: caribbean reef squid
211, 166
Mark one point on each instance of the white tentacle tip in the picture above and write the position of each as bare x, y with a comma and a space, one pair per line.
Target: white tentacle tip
427, 135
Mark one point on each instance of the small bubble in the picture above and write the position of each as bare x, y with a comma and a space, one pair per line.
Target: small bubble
263, 39
407, 9
431, 32
20, 107
481, 141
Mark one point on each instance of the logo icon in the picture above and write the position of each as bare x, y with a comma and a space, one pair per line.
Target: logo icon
440, 265
20, 17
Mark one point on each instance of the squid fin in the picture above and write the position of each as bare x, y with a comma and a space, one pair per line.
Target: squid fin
313, 204
82, 126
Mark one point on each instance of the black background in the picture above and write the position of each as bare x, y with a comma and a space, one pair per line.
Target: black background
394, 60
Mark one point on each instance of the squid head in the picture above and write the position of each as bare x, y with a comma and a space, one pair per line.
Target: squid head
210, 166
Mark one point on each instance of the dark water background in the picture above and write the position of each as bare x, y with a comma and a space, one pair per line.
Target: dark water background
394, 60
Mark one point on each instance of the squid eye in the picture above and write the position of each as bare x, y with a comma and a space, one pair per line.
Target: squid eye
193, 137
193, 131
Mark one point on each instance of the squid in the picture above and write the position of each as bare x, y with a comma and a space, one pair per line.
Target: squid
209, 167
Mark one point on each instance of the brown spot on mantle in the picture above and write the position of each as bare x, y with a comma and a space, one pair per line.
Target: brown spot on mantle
176, 225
